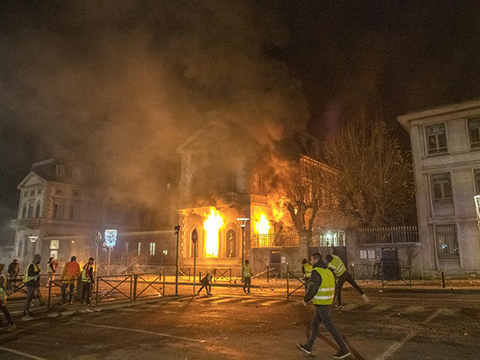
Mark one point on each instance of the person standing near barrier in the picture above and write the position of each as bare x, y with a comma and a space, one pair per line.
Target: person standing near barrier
13, 270
321, 292
70, 273
247, 276
88, 280
307, 272
31, 278
51, 269
206, 283
3, 303
342, 274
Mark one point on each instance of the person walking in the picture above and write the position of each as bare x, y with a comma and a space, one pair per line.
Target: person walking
307, 272
51, 269
206, 283
3, 302
247, 276
70, 273
342, 274
88, 279
31, 278
321, 292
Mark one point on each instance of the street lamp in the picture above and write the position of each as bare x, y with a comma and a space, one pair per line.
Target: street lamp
243, 224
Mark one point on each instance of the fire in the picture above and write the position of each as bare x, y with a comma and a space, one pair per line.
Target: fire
213, 223
262, 228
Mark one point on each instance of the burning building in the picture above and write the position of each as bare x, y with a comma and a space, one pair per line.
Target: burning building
226, 178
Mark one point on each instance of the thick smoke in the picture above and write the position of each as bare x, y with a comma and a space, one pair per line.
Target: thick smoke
122, 84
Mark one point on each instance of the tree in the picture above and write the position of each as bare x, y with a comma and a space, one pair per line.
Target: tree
375, 182
304, 195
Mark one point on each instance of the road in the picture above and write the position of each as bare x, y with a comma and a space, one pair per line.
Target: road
230, 325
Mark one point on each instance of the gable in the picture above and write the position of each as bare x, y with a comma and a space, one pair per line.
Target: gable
212, 132
30, 180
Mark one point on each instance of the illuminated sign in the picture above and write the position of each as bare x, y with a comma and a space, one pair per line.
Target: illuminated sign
110, 238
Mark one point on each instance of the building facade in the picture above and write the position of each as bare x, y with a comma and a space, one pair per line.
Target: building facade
446, 158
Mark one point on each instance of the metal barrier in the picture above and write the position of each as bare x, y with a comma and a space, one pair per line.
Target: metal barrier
140, 279
360, 270
64, 292
184, 273
291, 276
222, 273
16, 284
392, 271
109, 280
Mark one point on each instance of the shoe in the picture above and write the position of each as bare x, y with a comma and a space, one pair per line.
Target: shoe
365, 298
339, 307
10, 328
305, 349
342, 354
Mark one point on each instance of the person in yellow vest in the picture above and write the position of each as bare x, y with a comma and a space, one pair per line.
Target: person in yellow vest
342, 274
247, 276
307, 272
31, 278
88, 280
3, 303
321, 292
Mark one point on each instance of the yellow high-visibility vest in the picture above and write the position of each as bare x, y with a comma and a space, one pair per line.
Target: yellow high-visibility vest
246, 271
27, 278
326, 290
308, 270
337, 266
86, 269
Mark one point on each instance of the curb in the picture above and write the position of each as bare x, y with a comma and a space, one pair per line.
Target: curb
421, 291
67, 313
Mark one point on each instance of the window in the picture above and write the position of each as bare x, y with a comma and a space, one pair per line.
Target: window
442, 188
77, 174
152, 249
31, 208
447, 242
75, 193
54, 254
59, 192
231, 243
39, 191
139, 249
37, 210
74, 213
24, 211
93, 211
57, 211
32, 192
25, 194
436, 139
474, 132
60, 170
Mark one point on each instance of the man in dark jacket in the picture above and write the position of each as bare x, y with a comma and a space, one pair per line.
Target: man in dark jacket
31, 278
13, 270
321, 292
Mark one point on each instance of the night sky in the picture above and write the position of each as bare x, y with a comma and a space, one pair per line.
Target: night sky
61, 63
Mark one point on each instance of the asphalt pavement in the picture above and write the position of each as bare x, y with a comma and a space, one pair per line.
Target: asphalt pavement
230, 325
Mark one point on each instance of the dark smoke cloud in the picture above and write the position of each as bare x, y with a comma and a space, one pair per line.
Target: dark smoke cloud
123, 83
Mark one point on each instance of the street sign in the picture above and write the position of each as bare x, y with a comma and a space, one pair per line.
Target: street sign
98, 238
110, 238
194, 235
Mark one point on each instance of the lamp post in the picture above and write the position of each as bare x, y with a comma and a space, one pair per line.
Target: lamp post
177, 233
243, 224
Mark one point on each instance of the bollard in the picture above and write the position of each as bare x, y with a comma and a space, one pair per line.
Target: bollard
131, 287
443, 279
268, 273
96, 292
49, 295
135, 277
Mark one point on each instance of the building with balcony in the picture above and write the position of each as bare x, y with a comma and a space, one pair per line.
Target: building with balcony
445, 150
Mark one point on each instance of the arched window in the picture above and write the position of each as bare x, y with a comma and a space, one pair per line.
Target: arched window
231, 243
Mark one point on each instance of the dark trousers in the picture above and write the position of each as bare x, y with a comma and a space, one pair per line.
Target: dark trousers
247, 281
207, 287
86, 292
341, 280
322, 315
7, 315
64, 291
31, 291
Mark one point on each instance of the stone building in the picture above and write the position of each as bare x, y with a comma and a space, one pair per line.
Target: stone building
445, 149
61, 208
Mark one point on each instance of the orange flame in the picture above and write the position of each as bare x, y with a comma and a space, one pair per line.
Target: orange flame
212, 225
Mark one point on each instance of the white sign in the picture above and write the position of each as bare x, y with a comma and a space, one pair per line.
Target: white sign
54, 244
371, 255
33, 238
110, 238
363, 254
284, 259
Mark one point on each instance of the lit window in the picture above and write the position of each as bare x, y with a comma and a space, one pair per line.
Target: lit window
474, 132
442, 188
139, 249
447, 242
436, 139
152, 249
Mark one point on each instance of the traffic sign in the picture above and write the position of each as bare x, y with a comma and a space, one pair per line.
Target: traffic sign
194, 235
98, 238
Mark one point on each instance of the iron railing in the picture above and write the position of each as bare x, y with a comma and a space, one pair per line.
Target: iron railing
388, 235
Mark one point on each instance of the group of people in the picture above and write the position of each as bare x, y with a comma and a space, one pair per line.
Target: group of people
247, 274
321, 290
71, 275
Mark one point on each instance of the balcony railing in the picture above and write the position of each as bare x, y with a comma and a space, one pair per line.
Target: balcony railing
275, 240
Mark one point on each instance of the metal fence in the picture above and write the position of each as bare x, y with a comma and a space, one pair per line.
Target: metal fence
288, 239
388, 235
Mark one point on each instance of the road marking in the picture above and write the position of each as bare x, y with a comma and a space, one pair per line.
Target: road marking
21, 353
350, 307
141, 332
251, 300
271, 302
449, 312
379, 308
414, 309
392, 349
219, 301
